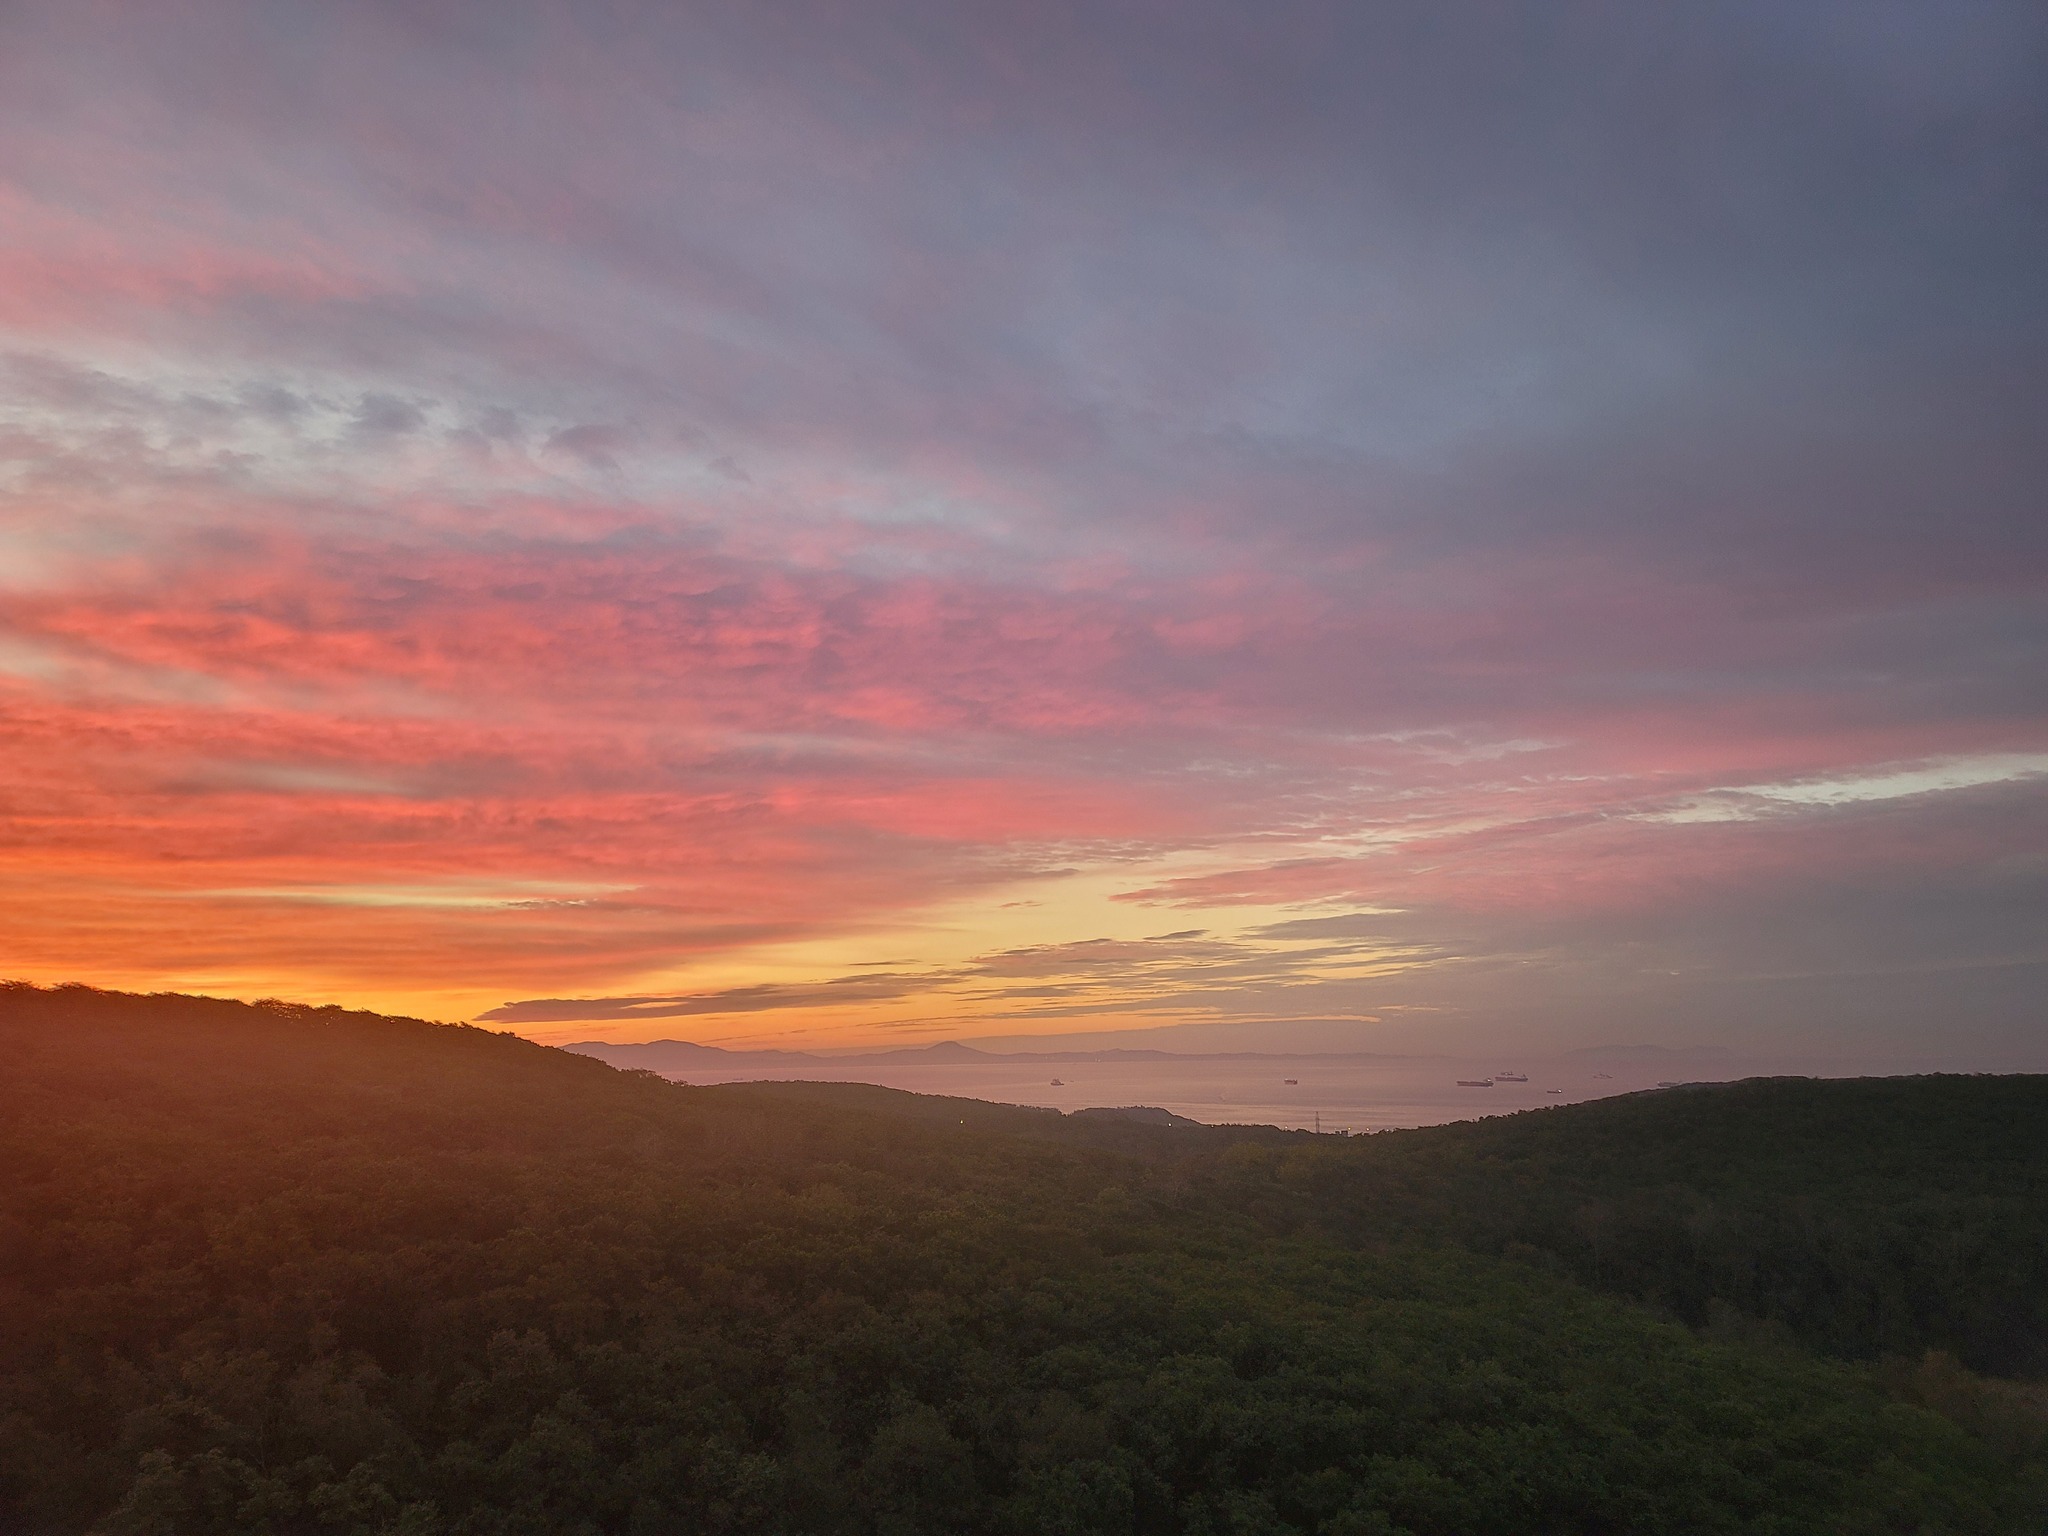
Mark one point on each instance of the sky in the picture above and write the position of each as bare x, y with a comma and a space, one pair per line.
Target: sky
1270, 526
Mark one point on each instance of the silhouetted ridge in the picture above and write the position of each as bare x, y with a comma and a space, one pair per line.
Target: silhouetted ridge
1142, 1114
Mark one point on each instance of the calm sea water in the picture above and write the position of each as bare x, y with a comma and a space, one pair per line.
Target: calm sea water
1339, 1093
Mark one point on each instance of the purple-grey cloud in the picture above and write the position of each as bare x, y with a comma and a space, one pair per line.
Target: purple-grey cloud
915, 446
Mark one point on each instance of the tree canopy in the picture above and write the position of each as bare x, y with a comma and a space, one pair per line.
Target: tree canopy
270, 1268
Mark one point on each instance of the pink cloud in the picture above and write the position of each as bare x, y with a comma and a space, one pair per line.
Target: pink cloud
756, 476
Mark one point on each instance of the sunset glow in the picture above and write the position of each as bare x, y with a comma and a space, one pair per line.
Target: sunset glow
758, 526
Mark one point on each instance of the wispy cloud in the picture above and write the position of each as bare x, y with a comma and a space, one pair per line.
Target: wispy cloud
1183, 974
1750, 801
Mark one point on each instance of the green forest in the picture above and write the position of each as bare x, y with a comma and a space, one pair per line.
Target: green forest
267, 1268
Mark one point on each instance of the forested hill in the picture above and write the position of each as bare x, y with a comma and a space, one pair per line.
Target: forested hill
279, 1269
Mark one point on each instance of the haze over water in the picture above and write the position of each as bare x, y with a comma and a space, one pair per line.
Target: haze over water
1333, 1093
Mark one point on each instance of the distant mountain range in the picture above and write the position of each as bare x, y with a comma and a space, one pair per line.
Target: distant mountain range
684, 1055
676, 1055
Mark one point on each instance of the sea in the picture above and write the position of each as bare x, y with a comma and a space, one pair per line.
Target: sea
1340, 1094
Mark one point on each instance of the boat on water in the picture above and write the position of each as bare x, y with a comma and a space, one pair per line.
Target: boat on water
1475, 1082
1511, 1077
1603, 1075
1553, 1090
1291, 1082
1057, 1083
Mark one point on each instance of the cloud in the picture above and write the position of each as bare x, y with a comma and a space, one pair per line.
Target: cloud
1347, 925
849, 483
1751, 801
593, 445
754, 999
378, 415
1183, 974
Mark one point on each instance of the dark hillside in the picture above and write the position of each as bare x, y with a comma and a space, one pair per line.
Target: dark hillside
1871, 1217
278, 1269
